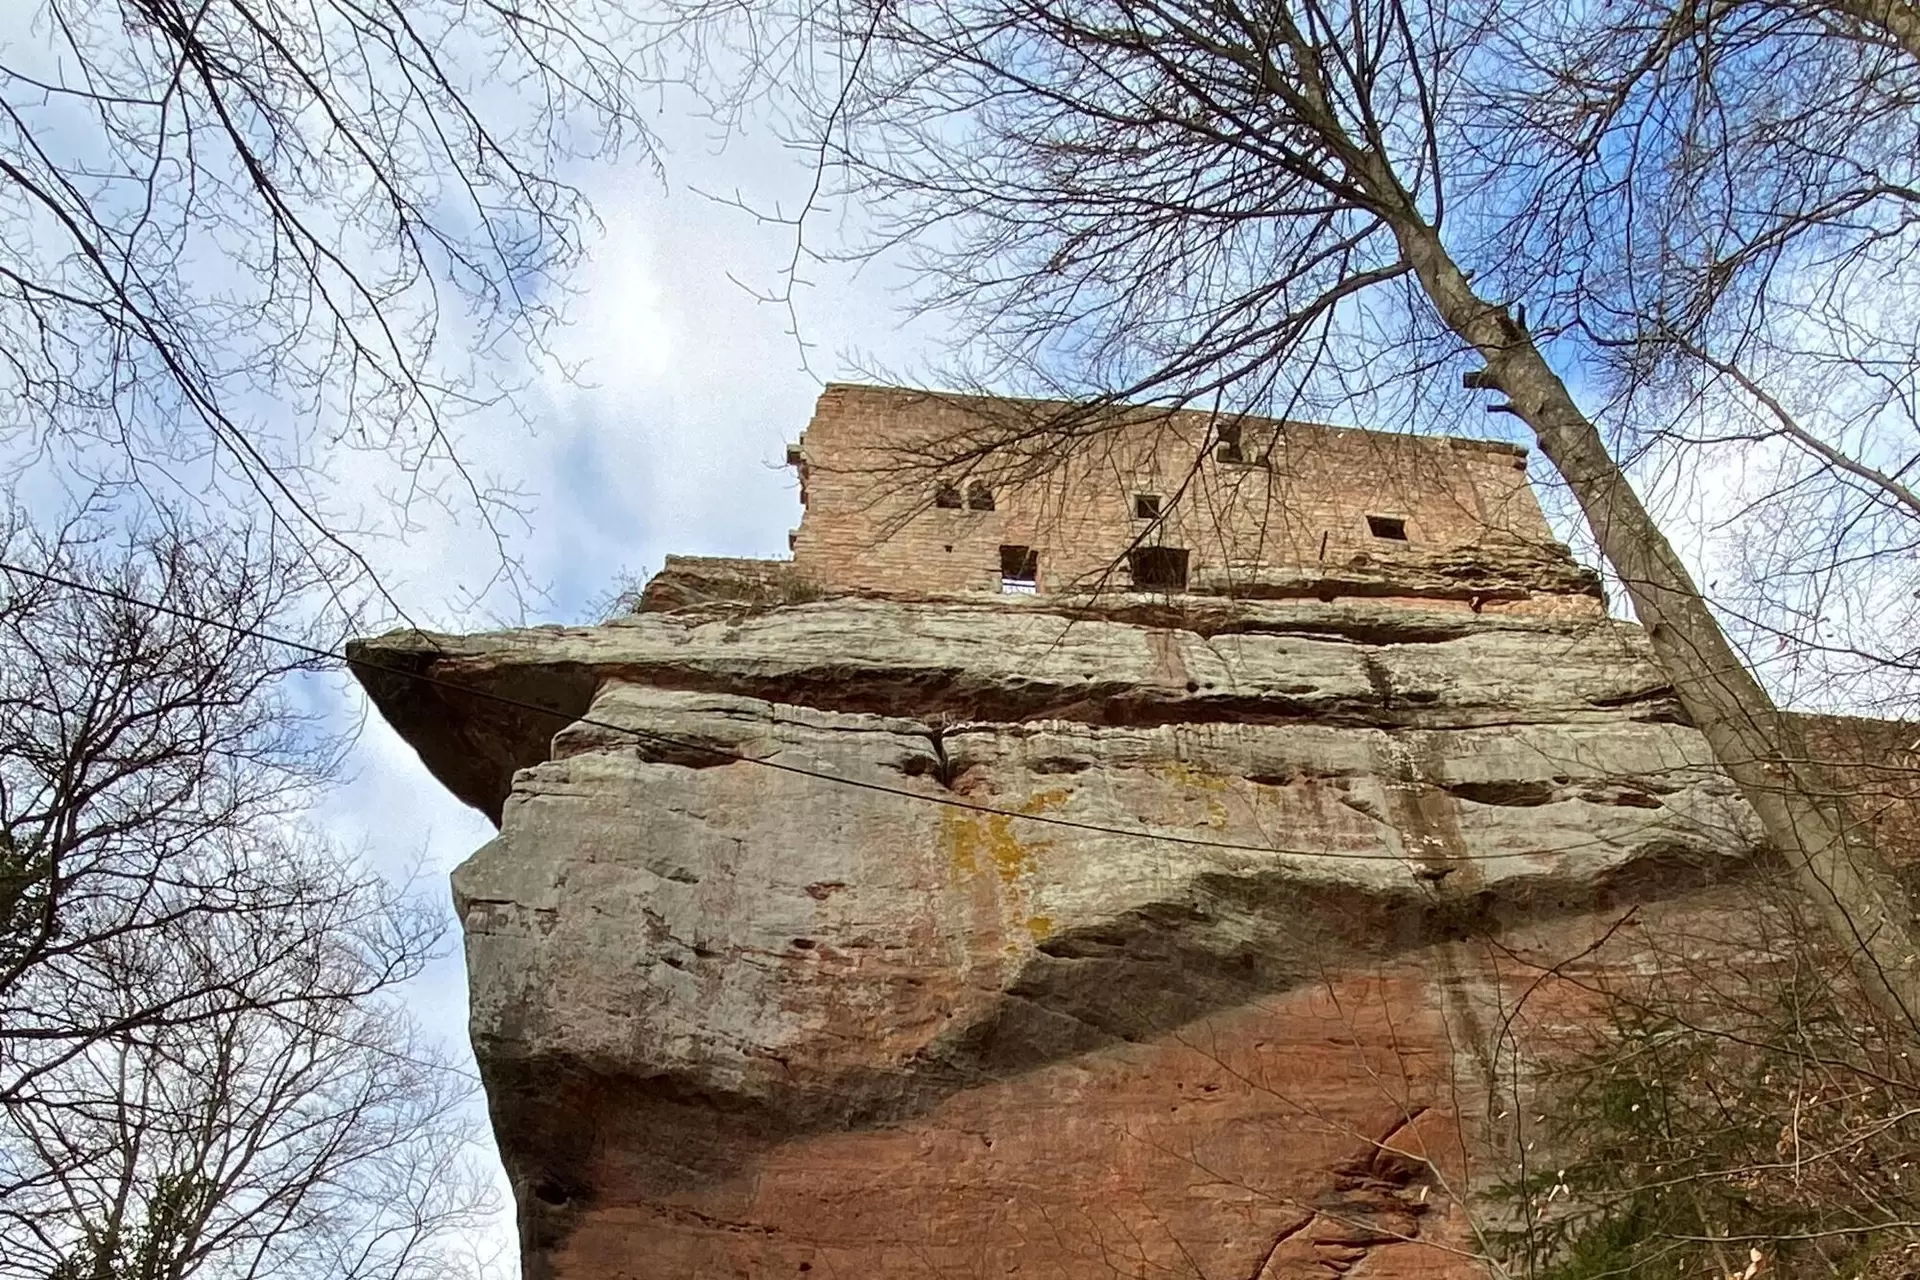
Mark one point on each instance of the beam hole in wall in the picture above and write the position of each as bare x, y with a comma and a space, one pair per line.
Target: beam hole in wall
1146, 506
947, 496
1391, 528
1159, 568
1019, 570
979, 497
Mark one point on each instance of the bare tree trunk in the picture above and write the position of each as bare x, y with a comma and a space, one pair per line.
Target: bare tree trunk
1852, 888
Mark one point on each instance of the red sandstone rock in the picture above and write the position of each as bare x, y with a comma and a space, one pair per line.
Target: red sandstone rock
740, 1021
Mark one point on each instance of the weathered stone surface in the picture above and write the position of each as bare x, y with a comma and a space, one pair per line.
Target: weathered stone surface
1501, 576
688, 581
1141, 944
1346, 663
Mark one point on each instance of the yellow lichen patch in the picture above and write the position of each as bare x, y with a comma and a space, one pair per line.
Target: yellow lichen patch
960, 833
1041, 801
974, 837
1010, 857
969, 835
1041, 927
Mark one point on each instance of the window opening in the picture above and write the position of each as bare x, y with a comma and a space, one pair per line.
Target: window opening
947, 495
979, 497
1019, 570
1390, 527
1146, 506
1159, 568
1229, 450
1233, 447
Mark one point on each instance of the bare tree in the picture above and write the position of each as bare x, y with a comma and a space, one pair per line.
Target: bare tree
308, 1131
1251, 206
202, 1067
1729, 235
241, 238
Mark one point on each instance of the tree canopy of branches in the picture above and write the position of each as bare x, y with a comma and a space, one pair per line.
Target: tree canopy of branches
239, 238
1723, 223
202, 1067
1253, 206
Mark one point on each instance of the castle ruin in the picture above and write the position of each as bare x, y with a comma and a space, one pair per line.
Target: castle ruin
1059, 871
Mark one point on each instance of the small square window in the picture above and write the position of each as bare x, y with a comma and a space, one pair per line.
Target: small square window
1159, 568
1392, 528
979, 496
1019, 569
948, 496
1146, 506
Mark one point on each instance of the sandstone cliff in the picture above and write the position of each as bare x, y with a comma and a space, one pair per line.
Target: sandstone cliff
1171, 960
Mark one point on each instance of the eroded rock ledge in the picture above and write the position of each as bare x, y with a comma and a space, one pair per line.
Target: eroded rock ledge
1503, 575
737, 1018
479, 707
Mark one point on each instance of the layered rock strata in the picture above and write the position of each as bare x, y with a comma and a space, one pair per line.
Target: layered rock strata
880, 939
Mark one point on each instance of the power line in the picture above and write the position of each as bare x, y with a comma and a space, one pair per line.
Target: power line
680, 744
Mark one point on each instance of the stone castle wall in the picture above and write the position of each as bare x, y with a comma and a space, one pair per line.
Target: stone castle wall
1293, 512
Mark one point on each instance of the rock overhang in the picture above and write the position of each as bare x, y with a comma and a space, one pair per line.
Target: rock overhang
849, 915
479, 707
685, 963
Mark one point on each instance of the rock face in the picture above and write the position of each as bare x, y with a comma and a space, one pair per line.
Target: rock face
880, 939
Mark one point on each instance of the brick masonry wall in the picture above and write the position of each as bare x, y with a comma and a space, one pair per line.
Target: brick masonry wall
871, 524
